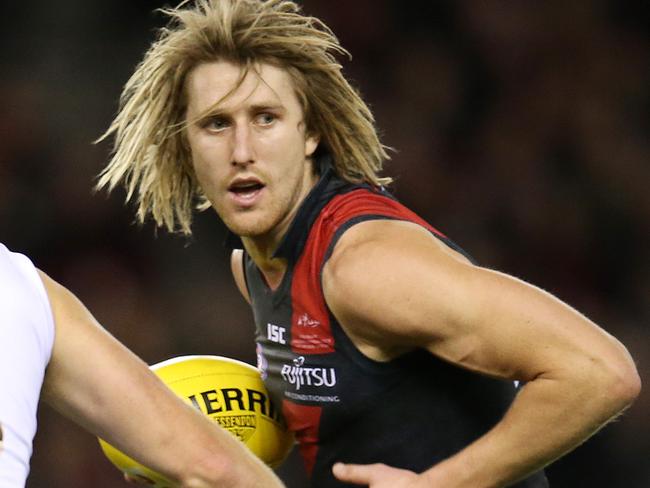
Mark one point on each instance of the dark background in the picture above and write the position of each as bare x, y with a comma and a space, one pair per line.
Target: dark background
520, 128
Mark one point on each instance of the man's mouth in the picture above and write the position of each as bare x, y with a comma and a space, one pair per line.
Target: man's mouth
245, 187
244, 191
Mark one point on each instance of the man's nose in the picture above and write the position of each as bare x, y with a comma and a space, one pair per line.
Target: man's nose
242, 152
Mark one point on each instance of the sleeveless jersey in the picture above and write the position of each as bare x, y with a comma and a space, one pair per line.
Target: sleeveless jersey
411, 412
26, 340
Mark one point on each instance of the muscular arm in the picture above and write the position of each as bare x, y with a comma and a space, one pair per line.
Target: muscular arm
100, 384
393, 286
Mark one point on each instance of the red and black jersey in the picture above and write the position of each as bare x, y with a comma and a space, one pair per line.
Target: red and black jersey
411, 412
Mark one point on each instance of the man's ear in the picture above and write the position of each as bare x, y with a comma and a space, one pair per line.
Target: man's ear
311, 144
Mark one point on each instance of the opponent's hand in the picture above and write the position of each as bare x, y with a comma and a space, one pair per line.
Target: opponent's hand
137, 480
376, 475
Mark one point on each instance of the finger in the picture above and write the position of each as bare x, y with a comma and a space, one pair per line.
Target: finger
138, 479
355, 473
130, 479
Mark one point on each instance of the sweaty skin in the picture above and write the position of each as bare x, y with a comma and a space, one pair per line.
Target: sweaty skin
251, 152
394, 287
177, 441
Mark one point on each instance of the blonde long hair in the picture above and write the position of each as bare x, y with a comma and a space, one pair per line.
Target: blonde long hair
151, 156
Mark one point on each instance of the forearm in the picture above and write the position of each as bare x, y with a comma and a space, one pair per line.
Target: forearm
171, 438
548, 418
199, 454
228, 465
105, 388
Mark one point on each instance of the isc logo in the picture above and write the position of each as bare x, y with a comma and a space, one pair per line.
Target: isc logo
275, 333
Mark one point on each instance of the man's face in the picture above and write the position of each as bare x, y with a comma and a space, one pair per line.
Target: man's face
251, 153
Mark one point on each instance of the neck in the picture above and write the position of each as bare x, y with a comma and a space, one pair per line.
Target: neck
272, 269
262, 247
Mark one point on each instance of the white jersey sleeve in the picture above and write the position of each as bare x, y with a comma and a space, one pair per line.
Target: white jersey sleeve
26, 340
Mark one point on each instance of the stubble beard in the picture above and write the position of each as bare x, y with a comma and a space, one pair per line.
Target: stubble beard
253, 223
279, 212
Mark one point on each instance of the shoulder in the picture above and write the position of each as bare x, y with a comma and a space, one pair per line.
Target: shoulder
371, 218
381, 273
237, 268
24, 299
18, 273
382, 246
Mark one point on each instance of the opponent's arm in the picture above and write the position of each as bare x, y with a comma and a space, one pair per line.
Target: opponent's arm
97, 382
393, 286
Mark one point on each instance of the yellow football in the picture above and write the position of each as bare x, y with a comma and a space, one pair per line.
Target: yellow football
228, 391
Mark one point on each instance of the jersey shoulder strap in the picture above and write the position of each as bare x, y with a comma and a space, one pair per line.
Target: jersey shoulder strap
341, 212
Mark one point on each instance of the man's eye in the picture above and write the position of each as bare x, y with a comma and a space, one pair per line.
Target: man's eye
265, 119
216, 124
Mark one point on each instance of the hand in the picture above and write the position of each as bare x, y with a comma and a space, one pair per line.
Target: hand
376, 475
138, 480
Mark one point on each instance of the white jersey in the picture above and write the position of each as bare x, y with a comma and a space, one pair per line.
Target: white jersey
26, 340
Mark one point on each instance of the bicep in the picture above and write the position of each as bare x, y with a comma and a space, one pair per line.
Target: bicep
400, 287
97, 382
502, 326
92, 378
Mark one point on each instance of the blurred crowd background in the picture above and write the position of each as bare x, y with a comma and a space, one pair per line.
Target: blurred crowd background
521, 129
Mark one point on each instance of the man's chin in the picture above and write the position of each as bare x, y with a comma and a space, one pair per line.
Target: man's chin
249, 230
